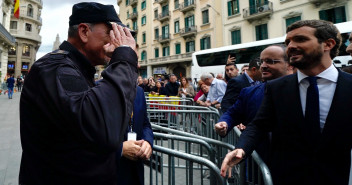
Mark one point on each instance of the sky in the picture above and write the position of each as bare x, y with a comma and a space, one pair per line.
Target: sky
55, 17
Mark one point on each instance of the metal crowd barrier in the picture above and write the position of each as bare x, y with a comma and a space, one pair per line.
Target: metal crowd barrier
259, 172
156, 177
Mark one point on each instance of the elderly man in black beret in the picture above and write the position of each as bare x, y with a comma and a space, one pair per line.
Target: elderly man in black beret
70, 127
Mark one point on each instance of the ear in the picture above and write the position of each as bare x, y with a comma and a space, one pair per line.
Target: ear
329, 44
83, 32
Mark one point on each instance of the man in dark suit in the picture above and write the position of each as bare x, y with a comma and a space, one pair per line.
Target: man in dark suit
130, 168
235, 85
307, 113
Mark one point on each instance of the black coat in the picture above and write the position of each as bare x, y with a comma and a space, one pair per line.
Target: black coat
70, 127
172, 89
294, 158
233, 89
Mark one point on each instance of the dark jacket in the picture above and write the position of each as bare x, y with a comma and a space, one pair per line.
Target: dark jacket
172, 89
10, 82
70, 127
234, 87
132, 172
295, 159
161, 91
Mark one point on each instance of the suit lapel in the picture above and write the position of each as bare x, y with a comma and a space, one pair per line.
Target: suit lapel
293, 96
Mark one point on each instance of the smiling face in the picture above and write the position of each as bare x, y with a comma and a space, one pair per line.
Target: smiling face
277, 69
303, 49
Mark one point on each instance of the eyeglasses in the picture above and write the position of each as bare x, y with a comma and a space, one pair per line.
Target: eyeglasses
268, 61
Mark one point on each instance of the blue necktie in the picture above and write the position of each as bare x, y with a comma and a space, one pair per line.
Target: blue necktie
312, 113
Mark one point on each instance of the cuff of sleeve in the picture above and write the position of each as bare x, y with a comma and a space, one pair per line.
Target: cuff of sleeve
125, 54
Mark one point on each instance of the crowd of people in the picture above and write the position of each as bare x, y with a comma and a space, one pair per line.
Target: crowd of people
291, 104
9, 85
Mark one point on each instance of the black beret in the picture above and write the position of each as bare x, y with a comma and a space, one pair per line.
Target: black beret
91, 12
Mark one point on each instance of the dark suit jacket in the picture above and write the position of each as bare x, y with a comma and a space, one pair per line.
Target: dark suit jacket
234, 87
295, 159
132, 172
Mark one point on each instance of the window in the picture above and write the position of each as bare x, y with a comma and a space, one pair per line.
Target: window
30, 10
335, 15
190, 46
177, 26
166, 51
143, 38
12, 50
261, 32
134, 9
155, 14
11, 65
165, 32
134, 23
28, 27
127, 2
13, 25
205, 43
25, 65
156, 52
128, 25
189, 21
205, 15
177, 4
178, 48
128, 14
165, 10
144, 20
26, 50
144, 55
236, 37
291, 20
156, 33
143, 5
233, 7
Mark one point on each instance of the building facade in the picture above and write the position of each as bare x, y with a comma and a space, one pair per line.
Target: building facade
6, 39
252, 20
26, 30
169, 31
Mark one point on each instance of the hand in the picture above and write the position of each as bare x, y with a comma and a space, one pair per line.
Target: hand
119, 36
231, 160
207, 104
217, 105
231, 59
221, 128
241, 127
145, 151
131, 148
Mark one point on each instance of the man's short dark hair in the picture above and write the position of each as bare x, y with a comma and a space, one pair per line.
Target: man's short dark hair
231, 64
324, 30
254, 63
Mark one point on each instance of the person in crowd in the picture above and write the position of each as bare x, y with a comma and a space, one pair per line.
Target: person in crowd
216, 92
235, 85
220, 76
231, 71
172, 86
192, 84
307, 113
203, 98
158, 89
19, 82
349, 70
10, 85
200, 92
274, 64
151, 84
185, 90
244, 69
70, 127
137, 145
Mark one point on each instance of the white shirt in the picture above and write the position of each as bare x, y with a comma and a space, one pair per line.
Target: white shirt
217, 90
326, 85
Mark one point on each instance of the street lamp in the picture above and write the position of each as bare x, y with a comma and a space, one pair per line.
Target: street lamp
209, 6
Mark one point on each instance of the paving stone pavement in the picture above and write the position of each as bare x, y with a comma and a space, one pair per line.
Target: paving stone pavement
10, 144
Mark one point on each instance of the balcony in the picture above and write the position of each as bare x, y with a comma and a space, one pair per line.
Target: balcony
164, 16
161, 1
34, 36
258, 11
171, 59
164, 38
133, 2
31, 17
6, 36
187, 6
135, 28
319, 2
188, 31
133, 16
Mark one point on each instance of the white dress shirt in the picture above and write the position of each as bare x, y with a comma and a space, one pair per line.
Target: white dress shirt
326, 85
217, 90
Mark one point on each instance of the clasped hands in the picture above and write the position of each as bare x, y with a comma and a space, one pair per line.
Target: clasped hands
135, 150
